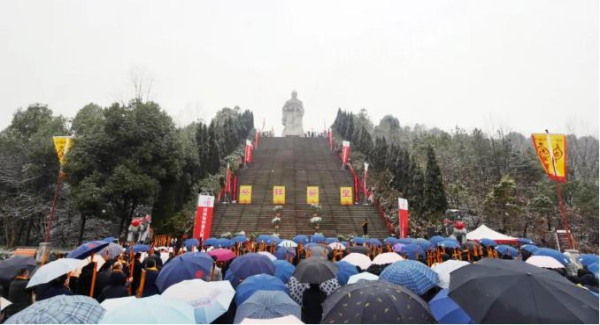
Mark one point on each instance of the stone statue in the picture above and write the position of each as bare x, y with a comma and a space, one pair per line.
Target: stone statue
293, 111
139, 229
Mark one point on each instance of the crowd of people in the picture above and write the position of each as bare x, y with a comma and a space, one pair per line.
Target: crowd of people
136, 270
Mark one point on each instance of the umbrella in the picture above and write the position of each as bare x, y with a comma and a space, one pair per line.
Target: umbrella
530, 248
264, 239
507, 250
519, 293
330, 240
411, 250
471, 246
223, 242
487, 242
554, 254
151, 310
545, 261
359, 249
283, 270
208, 299
187, 266
337, 246
99, 262
356, 259
239, 239
139, 248
4, 303
320, 251
283, 253
11, 266
410, 274
446, 311
448, 243
289, 319
387, 258
109, 239
435, 239
369, 302
588, 259
391, 240
256, 283
374, 242
113, 250
60, 310
87, 249
112, 304
267, 304
358, 240
300, 239
210, 242
524, 241
250, 264
345, 271
594, 269
444, 269
398, 247
222, 254
269, 255
315, 270
287, 243
189, 243
422, 242
53, 270
366, 276
297, 288
311, 244
405, 241
275, 240
317, 238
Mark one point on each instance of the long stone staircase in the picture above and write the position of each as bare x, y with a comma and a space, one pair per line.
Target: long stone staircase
295, 163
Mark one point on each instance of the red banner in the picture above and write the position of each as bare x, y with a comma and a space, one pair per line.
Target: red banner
257, 138
204, 214
345, 152
403, 217
330, 138
366, 176
228, 180
248, 152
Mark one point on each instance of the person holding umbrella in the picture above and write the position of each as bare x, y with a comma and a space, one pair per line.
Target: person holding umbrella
18, 293
58, 286
312, 300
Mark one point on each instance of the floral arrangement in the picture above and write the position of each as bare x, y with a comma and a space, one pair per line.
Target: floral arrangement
316, 208
226, 235
316, 220
278, 208
276, 221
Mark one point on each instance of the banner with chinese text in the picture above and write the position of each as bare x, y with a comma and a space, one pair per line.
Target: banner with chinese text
312, 194
552, 152
204, 214
278, 194
245, 194
346, 195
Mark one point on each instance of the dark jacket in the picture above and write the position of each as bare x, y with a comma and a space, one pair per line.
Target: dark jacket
102, 281
85, 280
137, 274
150, 287
312, 310
116, 289
19, 295
55, 290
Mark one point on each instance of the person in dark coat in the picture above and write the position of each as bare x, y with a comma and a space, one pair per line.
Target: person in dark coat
137, 273
85, 280
365, 227
18, 293
150, 287
312, 310
117, 287
103, 277
57, 287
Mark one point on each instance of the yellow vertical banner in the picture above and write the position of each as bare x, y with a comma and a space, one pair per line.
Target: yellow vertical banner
62, 144
245, 194
278, 194
552, 151
312, 194
346, 195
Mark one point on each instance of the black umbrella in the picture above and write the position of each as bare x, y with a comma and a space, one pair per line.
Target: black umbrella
372, 302
512, 291
359, 249
10, 267
315, 270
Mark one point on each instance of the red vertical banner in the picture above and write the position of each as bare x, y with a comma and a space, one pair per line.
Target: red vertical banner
330, 138
204, 214
403, 217
257, 138
366, 176
248, 152
228, 180
234, 188
355, 188
251, 149
345, 152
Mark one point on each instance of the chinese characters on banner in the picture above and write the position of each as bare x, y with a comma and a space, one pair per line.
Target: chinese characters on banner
403, 217
312, 194
245, 194
345, 152
204, 214
552, 151
248, 152
346, 196
278, 194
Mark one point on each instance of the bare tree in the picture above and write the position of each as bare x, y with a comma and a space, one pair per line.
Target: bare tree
142, 81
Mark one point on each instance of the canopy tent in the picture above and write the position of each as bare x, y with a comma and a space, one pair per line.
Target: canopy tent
484, 232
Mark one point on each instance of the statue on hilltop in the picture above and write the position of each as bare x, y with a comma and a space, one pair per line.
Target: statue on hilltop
293, 111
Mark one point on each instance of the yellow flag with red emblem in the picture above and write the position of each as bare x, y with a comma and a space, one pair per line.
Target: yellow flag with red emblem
552, 151
62, 144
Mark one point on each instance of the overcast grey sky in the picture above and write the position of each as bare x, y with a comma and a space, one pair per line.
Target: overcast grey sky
519, 65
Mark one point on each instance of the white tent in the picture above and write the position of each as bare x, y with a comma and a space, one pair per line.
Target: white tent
484, 232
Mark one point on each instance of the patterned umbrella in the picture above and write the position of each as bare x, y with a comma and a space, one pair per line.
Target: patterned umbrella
410, 274
184, 267
375, 302
300, 239
315, 270
60, 310
265, 305
446, 311
283, 270
345, 271
443, 270
287, 243
387, 258
87, 249
257, 283
289, 319
297, 289
222, 254
113, 250
360, 260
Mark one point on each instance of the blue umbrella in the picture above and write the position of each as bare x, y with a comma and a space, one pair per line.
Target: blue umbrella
300, 239
275, 240
413, 275
436, 239
411, 250
187, 266
529, 248
113, 250
155, 309
109, 239
358, 240
345, 271
87, 249
391, 240
60, 310
139, 248
594, 269
258, 282
447, 243
422, 242
283, 270
405, 241
446, 311
487, 242
264, 239
223, 242
189, 243
554, 254
330, 240
374, 242
507, 250
309, 245
317, 238
210, 242
588, 259
248, 265
267, 305
526, 241
239, 239
283, 253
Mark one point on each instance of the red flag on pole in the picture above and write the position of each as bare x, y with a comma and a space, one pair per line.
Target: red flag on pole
365, 179
228, 180
403, 217
257, 138
330, 137
247, 152
345, 152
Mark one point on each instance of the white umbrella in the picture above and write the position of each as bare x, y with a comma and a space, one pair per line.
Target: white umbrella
164, 257
357, 259
362, 276
53, 270
112, 304
209, 299
269, 255
337, 246
387, 258
4, 303
99, 262
545, 261
287, 243
289, 319
444, 269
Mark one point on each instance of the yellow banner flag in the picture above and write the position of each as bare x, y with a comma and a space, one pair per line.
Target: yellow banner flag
246, 194
552, 151
346, 195
312, 194
62, 144
278, 194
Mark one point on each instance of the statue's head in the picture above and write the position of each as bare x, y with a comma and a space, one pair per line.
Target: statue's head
294, 94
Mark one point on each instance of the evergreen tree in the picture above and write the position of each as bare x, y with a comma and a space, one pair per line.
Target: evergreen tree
434, 194
214, 151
